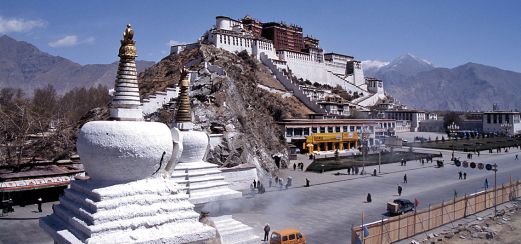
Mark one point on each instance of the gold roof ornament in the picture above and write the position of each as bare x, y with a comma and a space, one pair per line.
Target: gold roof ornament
126, 102
183, 117
128, 45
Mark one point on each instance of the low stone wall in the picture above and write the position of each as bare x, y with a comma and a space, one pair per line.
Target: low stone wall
239, 178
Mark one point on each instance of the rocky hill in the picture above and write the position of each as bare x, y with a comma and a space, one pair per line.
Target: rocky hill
471, 86
236, 97
24, 66
230, 98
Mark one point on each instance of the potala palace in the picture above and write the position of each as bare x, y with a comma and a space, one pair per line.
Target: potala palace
298, 62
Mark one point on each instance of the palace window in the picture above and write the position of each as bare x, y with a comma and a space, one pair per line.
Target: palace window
322, 129
495, 118
337, 129
289, 132
314, 129
345, 128
488, 118
330, 129
507, 118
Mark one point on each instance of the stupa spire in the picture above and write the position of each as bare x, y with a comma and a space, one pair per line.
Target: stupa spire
125, 101
183, 117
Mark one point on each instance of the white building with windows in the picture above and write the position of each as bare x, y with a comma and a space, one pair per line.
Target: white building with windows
296, 130
502, 122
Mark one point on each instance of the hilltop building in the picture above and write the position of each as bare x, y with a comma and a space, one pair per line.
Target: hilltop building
285, 47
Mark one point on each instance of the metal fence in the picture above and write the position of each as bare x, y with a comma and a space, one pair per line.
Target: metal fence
413, 223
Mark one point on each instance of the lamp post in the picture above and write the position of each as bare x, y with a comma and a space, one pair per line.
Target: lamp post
364, 147
453, 129
379, 160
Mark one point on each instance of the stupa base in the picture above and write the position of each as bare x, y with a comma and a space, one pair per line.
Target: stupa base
144, 211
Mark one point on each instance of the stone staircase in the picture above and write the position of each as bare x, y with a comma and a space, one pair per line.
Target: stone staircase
203, 182
158, 100
290, 86
233, 231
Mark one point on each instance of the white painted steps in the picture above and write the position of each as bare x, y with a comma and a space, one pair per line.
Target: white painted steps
203, 182
233, 231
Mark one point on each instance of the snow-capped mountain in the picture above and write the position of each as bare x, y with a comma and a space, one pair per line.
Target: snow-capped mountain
471, 86
402, 67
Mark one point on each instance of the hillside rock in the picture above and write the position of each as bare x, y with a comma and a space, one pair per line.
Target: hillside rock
226, 99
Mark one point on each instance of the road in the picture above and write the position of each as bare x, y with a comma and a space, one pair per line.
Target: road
326, 211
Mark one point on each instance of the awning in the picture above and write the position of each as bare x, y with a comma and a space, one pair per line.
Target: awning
34, 184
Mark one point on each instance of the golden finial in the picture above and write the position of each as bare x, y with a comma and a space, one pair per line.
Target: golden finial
128, 48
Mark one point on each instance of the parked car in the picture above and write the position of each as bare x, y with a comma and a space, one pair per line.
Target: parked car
287, 236
400, 206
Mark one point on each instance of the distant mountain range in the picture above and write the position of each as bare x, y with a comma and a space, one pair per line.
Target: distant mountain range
418, 83
23, 65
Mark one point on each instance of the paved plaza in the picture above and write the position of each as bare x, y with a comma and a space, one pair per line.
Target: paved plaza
326, 211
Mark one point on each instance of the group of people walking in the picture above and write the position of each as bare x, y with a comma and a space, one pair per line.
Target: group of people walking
299, 166
353, 170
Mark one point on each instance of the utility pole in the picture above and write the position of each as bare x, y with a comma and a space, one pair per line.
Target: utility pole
379, 160
495, 189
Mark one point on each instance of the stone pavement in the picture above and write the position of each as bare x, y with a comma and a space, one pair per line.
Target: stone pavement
21, 226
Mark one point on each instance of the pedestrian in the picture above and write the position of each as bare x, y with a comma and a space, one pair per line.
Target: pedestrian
374, 172
486, 184
399, 190
465, 175
295, 166
281, 183
307, 182
10, 204
369, 197
266, 232
517, 157
478, 153
348, 170
269, 182
254, 183
460, 175
405, 178
40, 204
288, 182
261, 188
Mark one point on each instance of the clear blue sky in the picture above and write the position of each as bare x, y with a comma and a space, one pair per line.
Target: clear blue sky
447, 33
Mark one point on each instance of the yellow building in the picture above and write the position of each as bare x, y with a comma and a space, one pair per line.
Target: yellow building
331, 141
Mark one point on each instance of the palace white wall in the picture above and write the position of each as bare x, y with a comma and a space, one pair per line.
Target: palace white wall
233, 44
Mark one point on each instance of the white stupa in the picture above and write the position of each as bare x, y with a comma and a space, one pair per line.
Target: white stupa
129, 197
201, 180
